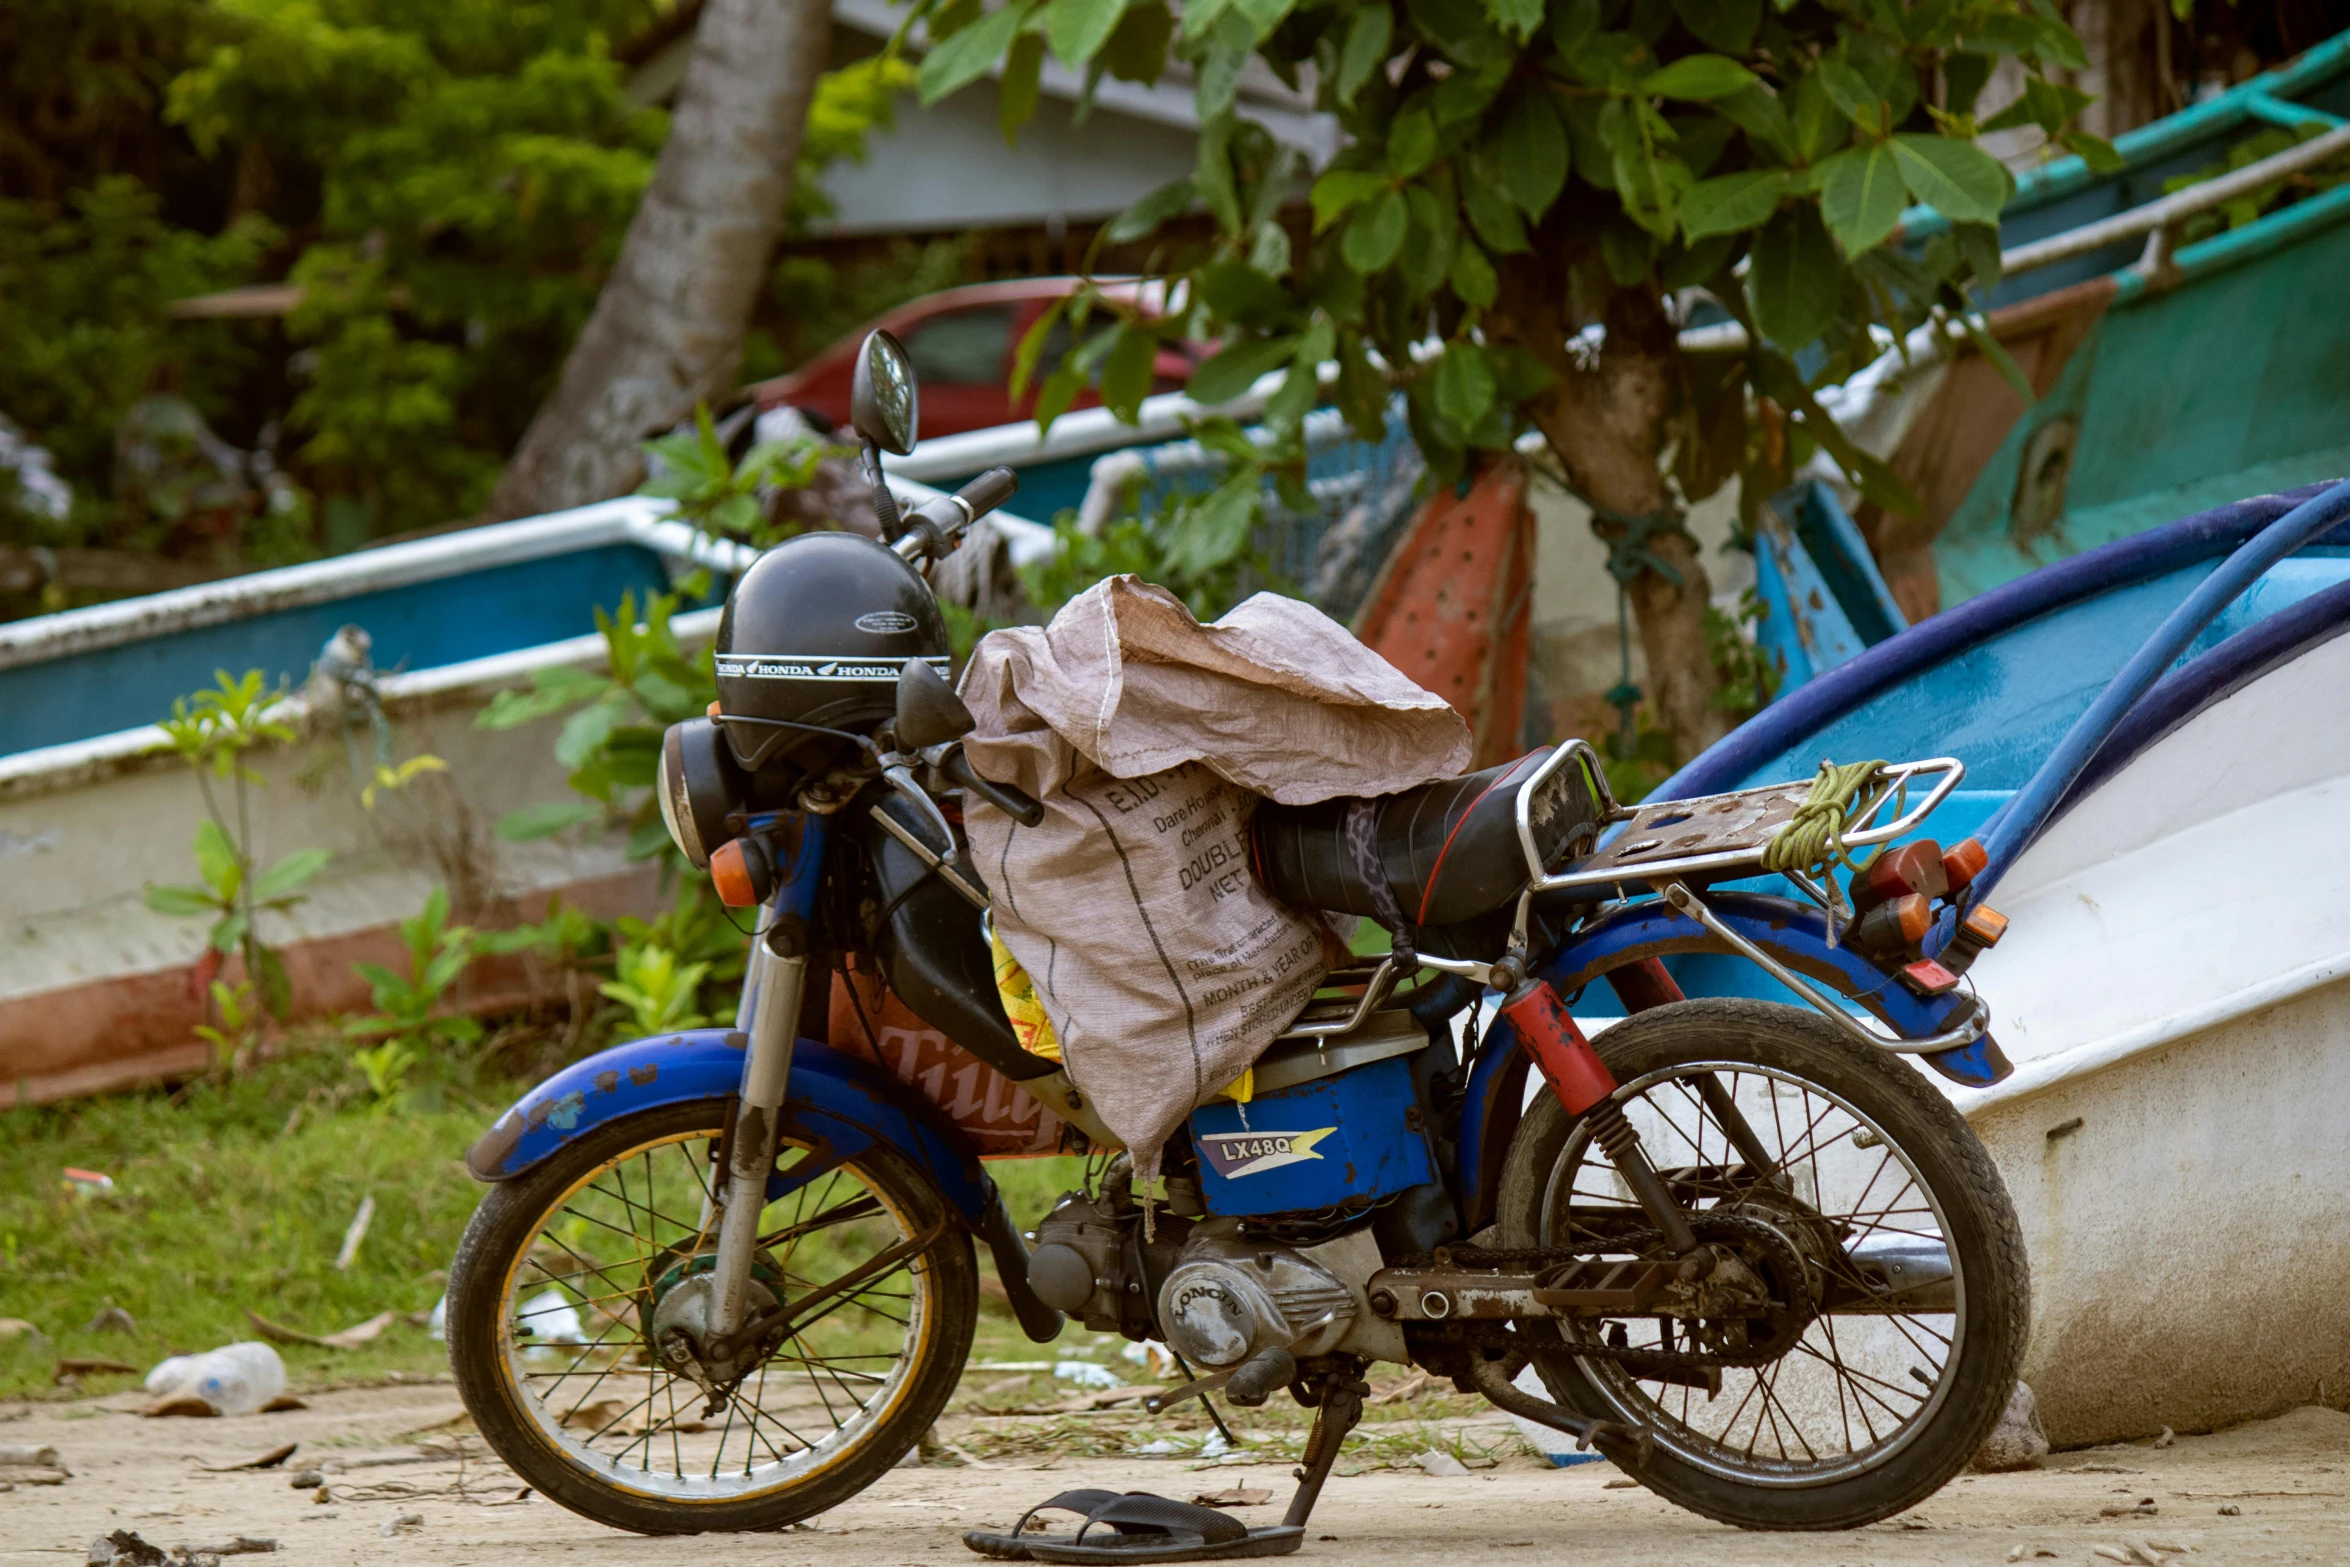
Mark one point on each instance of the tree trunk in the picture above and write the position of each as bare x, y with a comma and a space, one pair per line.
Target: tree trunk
667, 329
1607, 426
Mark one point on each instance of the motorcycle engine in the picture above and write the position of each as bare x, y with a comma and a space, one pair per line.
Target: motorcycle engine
1229, 1297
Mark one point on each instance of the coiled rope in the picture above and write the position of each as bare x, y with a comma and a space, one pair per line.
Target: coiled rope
1813, 839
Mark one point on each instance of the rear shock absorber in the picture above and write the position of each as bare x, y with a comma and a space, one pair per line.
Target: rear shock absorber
1585, 1087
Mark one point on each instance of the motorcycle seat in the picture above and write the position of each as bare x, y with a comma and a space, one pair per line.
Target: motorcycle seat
1435, 855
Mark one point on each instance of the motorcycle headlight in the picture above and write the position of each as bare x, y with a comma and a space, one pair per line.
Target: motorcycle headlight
700, 787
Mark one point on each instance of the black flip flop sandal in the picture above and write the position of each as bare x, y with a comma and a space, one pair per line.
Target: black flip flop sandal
1013, 1547
1147, 1528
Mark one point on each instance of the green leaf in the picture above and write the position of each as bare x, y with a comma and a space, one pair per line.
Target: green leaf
1813, 117
1263, 15
1365, 50
1729, 203
1211, 533
555, 690
1628, 250
182, 900
289, 873
2044, 103
586, 731
1126, 374
1236, 367
1017, 92
1376, 232
964, 58
544, 819
1850, 91
217, 860
1078, 28
1465, 94
1518, 18
1956, 178
1495, 218
1060, 389
1427, 246
1200, 19
1411, 143
1236, 291
1137, 50
1341, 190
1303, 385
1759, 114
1218, 83
1473, 277
1698, 77
1727, 25
1862, 196
2101, 155
1978, 246
1531, 148
277, 990
1166, 202
1464, 384
1794, 278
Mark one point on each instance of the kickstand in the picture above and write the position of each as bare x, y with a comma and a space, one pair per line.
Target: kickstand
1342, 1406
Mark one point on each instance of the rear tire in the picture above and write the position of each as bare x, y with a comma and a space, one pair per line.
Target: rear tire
879, 1396
1808, 1090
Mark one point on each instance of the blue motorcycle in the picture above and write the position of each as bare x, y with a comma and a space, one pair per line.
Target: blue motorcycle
725, 1278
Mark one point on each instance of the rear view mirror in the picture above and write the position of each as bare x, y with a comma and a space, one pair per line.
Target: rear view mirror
929, 712
885, 404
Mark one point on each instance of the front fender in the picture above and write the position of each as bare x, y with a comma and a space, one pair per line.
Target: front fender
836, 1102
1794, 933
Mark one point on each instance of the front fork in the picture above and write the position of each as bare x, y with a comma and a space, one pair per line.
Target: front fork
774, 987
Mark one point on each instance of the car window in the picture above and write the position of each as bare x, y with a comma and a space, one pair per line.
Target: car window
966, 348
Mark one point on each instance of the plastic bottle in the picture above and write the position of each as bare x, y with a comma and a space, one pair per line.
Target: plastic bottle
236, 1379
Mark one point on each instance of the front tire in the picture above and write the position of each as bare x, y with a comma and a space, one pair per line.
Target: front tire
568, 1393
1868, 1413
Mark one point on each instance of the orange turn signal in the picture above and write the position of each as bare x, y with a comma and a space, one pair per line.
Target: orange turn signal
1984, 925
1965, 862
731, 874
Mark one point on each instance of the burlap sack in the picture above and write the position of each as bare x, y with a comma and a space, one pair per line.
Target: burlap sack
1149, 737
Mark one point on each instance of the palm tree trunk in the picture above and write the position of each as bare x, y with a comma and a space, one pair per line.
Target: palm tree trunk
667, 329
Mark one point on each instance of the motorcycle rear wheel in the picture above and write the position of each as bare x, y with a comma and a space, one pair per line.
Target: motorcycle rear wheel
1867, 1414
570, 1395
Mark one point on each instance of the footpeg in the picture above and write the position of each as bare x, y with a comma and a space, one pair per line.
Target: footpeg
1492, 1378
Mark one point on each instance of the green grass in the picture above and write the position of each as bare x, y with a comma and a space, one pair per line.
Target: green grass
218, 1208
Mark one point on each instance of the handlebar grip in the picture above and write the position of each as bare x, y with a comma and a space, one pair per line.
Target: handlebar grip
1015, 803
990, 490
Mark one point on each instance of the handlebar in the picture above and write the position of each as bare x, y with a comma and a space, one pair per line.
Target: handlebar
1018, 804
934, 528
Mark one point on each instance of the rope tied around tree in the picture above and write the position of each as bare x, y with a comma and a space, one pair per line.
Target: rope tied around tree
1813, 839
1628, 555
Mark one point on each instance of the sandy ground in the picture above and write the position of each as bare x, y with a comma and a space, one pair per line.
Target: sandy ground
2288, 1481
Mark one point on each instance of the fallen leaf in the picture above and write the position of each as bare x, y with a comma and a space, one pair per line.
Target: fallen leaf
83, 1368
1233, 1496
187, 1404
1621, 1483
269, 1460
2112, 1553
349, 1338
284, 1403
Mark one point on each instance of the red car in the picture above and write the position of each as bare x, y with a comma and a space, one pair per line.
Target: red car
962, 341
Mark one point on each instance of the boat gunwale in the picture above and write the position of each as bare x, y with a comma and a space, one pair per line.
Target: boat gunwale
1839, 692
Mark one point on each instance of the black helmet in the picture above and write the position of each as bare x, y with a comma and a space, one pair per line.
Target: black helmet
817, 632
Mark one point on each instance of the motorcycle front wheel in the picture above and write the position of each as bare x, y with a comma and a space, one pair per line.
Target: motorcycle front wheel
1916, 1286
563, 1268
